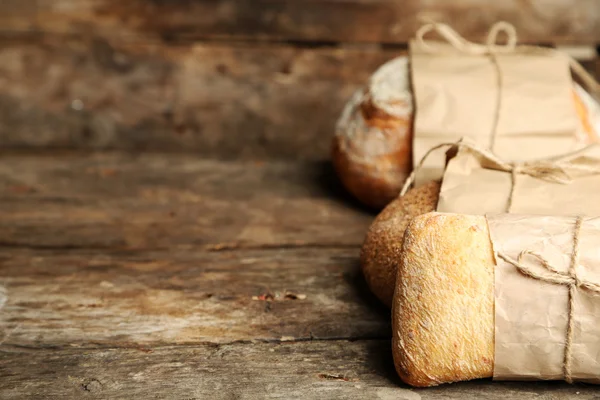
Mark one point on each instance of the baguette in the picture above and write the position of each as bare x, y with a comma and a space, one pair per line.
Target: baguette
443, 307
381, 249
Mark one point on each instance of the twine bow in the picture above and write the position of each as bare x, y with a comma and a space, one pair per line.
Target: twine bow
492, 48
460, 43
556, 169
554, 276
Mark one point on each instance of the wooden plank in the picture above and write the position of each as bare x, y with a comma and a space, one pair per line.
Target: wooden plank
313, 370
90, 299
227, 101
110, 248
144, 202
378, 21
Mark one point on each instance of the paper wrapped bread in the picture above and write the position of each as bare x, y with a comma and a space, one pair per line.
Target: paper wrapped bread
381, 249
372, 146
443, 307
477, 182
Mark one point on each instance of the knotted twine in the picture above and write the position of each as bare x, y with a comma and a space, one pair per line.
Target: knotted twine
569, 279
492, 50
555, 169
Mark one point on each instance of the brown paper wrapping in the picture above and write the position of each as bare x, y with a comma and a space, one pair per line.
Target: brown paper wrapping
474, 185
532, 316
521, 107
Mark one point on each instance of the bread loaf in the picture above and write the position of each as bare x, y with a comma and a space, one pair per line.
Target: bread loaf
372, 146
371, 149
443, 308
381, 249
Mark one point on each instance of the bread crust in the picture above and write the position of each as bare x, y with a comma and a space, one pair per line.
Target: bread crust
443, 308
372, 154
380, 252
372, 147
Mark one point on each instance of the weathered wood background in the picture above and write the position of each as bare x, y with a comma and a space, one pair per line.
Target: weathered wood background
230, 79
169, 224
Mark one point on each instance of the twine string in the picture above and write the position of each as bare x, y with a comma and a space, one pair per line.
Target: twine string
556, 169
554, 276
491, 46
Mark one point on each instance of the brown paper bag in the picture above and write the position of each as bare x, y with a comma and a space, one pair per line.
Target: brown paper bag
476, 182
514, 100
547, 297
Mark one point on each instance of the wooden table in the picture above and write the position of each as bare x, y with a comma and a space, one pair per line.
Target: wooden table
169, 276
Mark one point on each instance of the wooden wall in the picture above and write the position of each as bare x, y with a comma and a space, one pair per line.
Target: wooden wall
222, 78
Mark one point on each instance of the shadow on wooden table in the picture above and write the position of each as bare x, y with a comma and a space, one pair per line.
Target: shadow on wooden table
489, 389
362, 291
379, 348
331, 185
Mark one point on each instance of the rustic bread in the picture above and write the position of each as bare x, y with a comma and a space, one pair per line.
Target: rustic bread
443, 308
372, 146
371, 149
381, 249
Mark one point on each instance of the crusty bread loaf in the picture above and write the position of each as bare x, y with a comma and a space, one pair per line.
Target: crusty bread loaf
381, 249
372, 146
443, 308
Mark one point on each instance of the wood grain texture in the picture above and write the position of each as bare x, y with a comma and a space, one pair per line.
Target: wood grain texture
227, 101
310, 370
379, 21
108, 248
94, 306
107, 299
146, 202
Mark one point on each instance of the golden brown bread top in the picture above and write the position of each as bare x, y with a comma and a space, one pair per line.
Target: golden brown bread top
377, 117
380, 252
443, 308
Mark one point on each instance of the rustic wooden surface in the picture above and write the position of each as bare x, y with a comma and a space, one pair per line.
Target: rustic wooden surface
99, 298
165, 276
228, 78
306, 370
376, 21
227, 101
147, 202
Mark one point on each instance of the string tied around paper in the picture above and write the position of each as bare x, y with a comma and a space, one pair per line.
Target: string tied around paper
457, 41
492, 48
556, 169
569, 279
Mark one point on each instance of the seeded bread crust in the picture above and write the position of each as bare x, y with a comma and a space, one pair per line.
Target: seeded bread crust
380, 252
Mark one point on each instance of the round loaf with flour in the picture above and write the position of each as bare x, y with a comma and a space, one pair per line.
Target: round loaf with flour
371, 149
